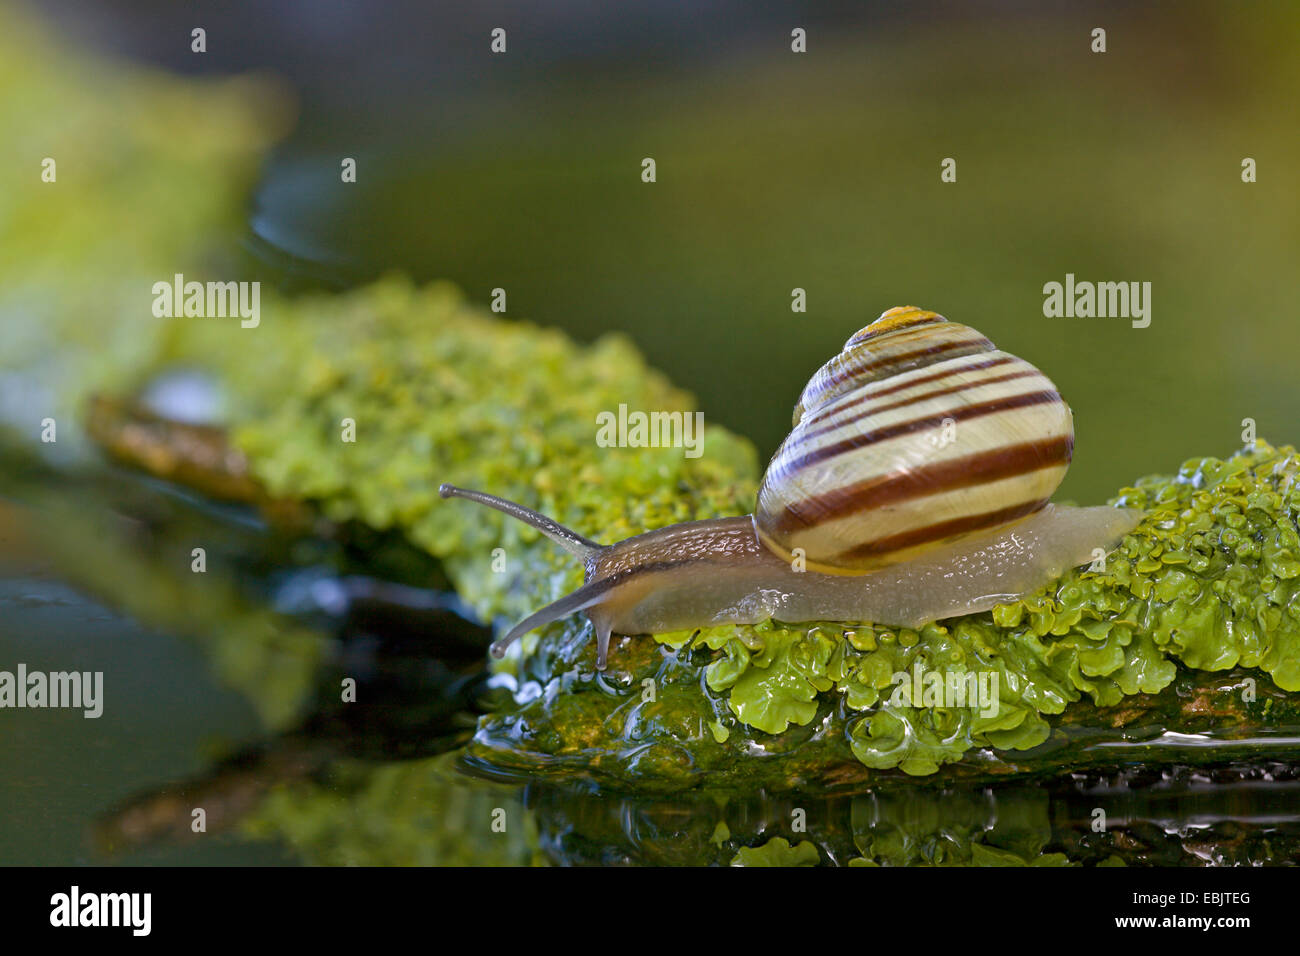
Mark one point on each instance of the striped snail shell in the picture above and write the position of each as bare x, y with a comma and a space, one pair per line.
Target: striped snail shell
919, 432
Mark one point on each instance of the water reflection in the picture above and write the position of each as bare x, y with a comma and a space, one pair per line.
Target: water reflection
425, 812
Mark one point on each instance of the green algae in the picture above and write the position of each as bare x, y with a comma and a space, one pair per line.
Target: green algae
778, 852
1206, 583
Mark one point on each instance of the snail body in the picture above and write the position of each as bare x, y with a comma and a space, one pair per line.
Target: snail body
913, 486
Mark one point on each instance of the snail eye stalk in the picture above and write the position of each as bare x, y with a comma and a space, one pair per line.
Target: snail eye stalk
566, 538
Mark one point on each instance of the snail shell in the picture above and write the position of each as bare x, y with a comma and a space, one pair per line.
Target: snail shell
918, 433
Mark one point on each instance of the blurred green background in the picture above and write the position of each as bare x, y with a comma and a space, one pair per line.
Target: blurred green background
818, 170
822, 171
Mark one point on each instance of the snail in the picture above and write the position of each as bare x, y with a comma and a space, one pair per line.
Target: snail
913, 487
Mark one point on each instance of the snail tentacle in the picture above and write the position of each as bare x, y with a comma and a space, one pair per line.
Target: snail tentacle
586, 596
602, 645
589, 595
566, 538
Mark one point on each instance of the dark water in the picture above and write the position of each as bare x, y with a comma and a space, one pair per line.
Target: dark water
63, 770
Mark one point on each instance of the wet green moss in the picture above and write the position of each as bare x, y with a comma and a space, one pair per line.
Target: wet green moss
1207, 583
778, 852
